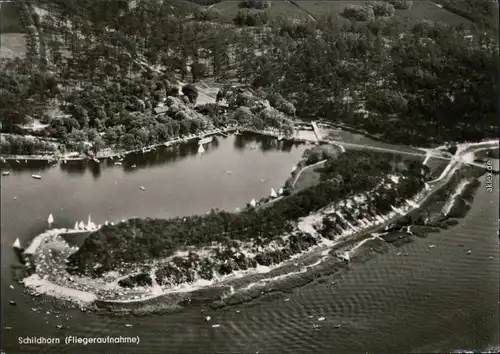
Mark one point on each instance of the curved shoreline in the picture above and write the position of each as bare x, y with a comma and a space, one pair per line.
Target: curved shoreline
225, 287
74, 156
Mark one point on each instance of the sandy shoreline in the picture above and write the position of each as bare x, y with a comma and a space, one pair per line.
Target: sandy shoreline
314, 254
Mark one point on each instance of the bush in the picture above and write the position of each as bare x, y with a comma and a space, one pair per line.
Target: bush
191, 92
358, 13
251, 17
255, 4
401, 4
382, 9
210, 14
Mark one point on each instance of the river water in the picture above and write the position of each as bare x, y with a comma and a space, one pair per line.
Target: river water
434, 299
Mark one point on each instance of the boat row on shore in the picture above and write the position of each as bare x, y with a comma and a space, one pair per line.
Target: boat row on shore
204, 138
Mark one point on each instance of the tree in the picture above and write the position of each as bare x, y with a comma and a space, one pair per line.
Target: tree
191, 92
198, 71
255, 4
358, 13
251, 17
382, 9
401, 4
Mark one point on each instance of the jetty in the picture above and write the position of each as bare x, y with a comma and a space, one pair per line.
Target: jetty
205, 140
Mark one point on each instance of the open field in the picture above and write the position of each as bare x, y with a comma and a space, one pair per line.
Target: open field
421, 10
437, 166
308, 178
278, 9
320, 9
12, 45
9, 18
341, 135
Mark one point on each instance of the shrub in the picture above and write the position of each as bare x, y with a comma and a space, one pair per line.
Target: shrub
381, 8
401, 4
358, 13
191, 92
209, 14
251, 17
255, 4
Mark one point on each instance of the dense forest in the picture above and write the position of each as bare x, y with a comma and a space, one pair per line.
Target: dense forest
106, 66
139, 240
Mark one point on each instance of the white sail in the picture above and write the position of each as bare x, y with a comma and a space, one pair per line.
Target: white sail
81, 225
106, 223
76, 225
294, 168
347, 256
50, 220
90, 224
201, 149
17, 244
273, 193
253, 203
280, 192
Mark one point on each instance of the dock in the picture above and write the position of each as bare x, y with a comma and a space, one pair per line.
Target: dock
205, 140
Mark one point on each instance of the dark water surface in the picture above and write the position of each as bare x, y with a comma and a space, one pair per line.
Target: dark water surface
433, 299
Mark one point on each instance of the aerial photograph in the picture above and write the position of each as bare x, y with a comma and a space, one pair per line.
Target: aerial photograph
249, 176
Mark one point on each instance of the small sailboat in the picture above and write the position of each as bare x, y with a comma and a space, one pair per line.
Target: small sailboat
90, 225
106, 223
50, 220
142, 188
17, 244
76, 226
5, 173
36, 176
280, 192
81, 225
201, 149
273, 193
253, 203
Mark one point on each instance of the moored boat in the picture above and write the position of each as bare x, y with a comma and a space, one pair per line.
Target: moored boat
205, 140
36, 176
